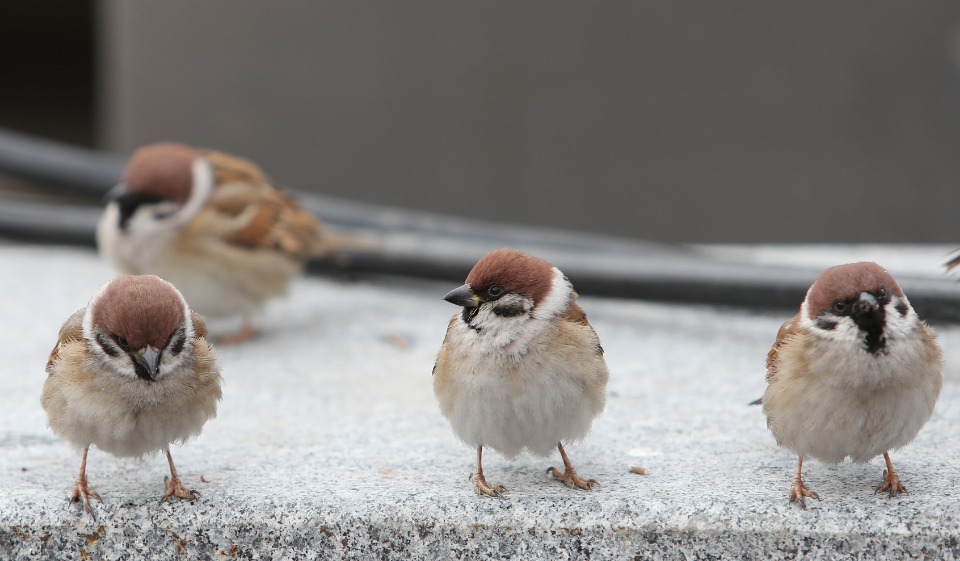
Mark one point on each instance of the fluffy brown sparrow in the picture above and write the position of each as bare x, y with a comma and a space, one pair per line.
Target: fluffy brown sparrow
520, 368
213, 225
131, 373
854, 374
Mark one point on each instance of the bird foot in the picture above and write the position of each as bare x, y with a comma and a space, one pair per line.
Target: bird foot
82, 493
571, 479
245, 334
798, 492
176, 489
481, 486
891, 483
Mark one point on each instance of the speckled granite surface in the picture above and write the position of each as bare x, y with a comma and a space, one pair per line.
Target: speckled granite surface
328, 444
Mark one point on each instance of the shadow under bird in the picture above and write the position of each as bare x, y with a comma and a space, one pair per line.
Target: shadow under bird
131, 373
520, 368
854, 374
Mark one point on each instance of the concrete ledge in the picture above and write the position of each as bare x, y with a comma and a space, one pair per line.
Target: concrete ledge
328, 444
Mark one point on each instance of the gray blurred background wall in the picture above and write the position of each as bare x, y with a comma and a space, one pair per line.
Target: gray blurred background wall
753, 121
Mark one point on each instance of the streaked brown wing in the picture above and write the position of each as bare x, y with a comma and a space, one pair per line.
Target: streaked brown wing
229, 168
255, 215
247, 210
199, 325
575, 314
443, 347
71, 330
774, 354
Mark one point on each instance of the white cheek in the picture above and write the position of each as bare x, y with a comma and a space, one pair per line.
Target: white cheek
900, 326
145, 239
108, 229
120, 365
171, 363
505, 336
153, 218
498, 330
846, 330
558, 298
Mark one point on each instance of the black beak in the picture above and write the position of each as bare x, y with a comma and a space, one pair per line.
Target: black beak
117, 192
126, 202
147, 363
463, 296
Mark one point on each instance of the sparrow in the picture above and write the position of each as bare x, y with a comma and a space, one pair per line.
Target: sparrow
520, 368
212, 224
131, 373
854, 374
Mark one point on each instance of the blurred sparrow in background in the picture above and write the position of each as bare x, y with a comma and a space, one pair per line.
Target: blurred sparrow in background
520, 368
214, 226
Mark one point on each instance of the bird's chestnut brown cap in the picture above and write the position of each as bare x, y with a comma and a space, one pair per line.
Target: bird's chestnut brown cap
515, 271
143, 309
846, 282
161, 171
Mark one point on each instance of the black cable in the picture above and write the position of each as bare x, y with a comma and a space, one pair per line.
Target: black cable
54, 164
427, 245
47, 223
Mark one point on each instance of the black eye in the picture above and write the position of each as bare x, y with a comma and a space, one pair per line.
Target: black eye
881, 294
840, 306
121, 342
495, 290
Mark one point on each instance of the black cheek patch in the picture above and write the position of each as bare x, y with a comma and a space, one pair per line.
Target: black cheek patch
510, 310
901, 308
177, 346
468, 314
826, 324
107, 347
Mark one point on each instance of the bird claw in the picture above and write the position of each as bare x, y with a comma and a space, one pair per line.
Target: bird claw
572, 480
246, 333
82, 493
891, 484
798, 492
176, 489
481, 486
